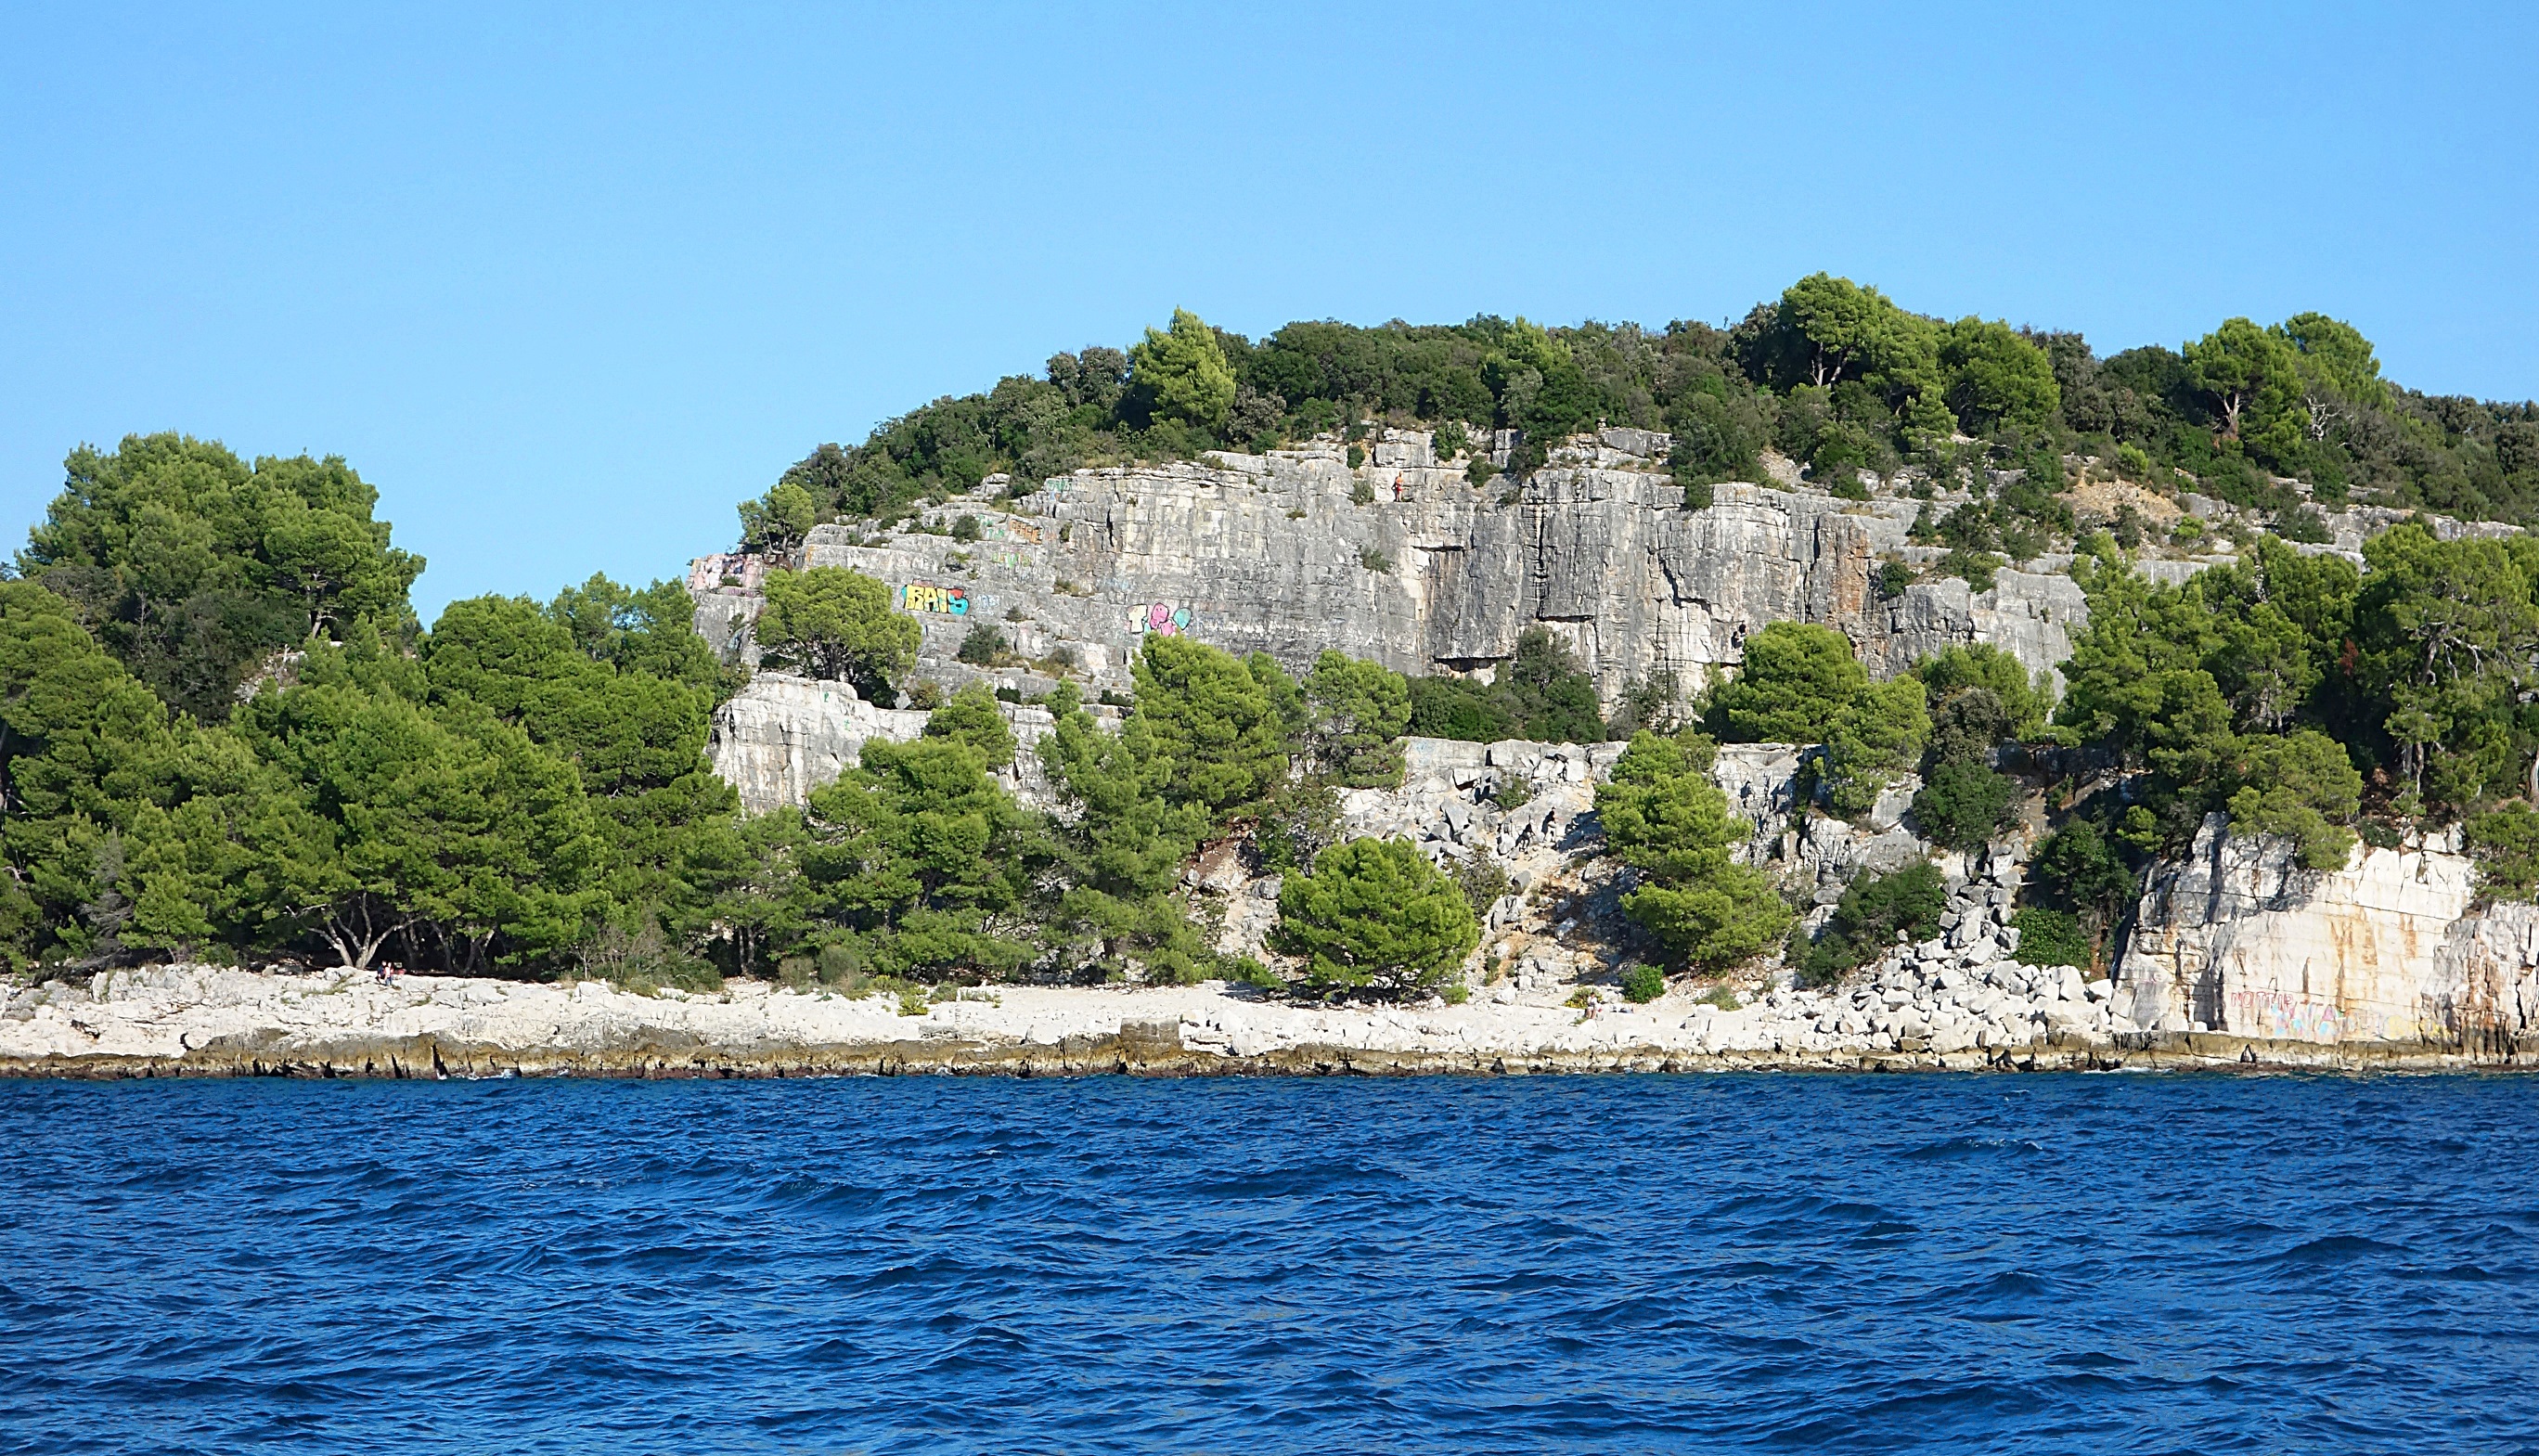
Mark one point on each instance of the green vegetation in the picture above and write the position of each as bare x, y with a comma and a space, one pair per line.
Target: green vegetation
1665, 817
1374, 914
1798, 681
1835, 375
1642, 983
832, 622
1874, 910
1541, 694
522, 789
2052, 938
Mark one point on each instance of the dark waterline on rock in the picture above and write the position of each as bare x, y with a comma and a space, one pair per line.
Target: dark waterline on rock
1448, 1265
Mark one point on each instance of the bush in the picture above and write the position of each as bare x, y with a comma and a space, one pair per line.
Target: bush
965, 529
983, 647
1360, 493
2052, 938
1964, 805
1483, 882
1375, 914
2078, 869
1642, 983
1892, 579
1374, 560
1864, 921
1480, 472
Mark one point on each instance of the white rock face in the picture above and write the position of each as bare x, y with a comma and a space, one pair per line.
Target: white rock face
2240, 939
781, 737
1275, 553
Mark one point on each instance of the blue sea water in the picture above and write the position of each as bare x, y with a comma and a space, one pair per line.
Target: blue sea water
1923, 1263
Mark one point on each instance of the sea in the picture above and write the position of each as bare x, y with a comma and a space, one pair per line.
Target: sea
1989, 1263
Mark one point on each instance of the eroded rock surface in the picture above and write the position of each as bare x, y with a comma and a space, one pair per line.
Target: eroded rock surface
2238, 939
1403, 561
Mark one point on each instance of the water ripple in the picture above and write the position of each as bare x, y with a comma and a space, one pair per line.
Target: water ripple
1572, 1265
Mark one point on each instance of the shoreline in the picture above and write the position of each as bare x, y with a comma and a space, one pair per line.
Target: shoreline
205, 1021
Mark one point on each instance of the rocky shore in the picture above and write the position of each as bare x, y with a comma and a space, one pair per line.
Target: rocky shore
191, 1021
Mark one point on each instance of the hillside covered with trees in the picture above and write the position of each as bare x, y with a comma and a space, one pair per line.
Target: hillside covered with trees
224, 733
1832, 375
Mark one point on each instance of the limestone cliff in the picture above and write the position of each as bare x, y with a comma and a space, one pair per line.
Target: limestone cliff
1403, 561
2237, 939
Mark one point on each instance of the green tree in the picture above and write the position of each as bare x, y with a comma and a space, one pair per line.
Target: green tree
1374, 914
1797, 682
1998, 380
922, 857
1550, 697
2506, 839
2078, 869
1182, 372
452, 829
193, 568
1879, 737
2240, 368
1216, 726
1357, 712
837, 623
777, 521
1963, 804
2302, 786
1122, 844
1664, 817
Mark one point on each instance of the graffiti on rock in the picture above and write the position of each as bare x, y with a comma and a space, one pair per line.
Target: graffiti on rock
1162, 617
925, 596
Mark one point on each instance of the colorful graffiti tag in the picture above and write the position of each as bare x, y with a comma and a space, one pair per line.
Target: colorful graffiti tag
1161, 616
925, 596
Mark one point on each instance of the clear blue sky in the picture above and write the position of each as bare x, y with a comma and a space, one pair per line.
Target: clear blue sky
565, 284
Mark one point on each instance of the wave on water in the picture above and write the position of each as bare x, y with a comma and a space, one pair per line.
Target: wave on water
1655, 1264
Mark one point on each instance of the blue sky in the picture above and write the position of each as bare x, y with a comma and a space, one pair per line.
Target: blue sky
567, 283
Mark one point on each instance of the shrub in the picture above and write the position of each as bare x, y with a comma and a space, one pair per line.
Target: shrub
1483, 882
1449, 440
1374, 560
965, 529
1892, 579
1964, 805
1480, 472
1974, 568
1357, 457
1864, 921
2077, 868
1375, 914
1642, 983
983, 647
2052, 938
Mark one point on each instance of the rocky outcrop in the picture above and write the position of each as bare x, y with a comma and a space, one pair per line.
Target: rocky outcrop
781, 737
210, 1022
1403, 561
2237, 939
